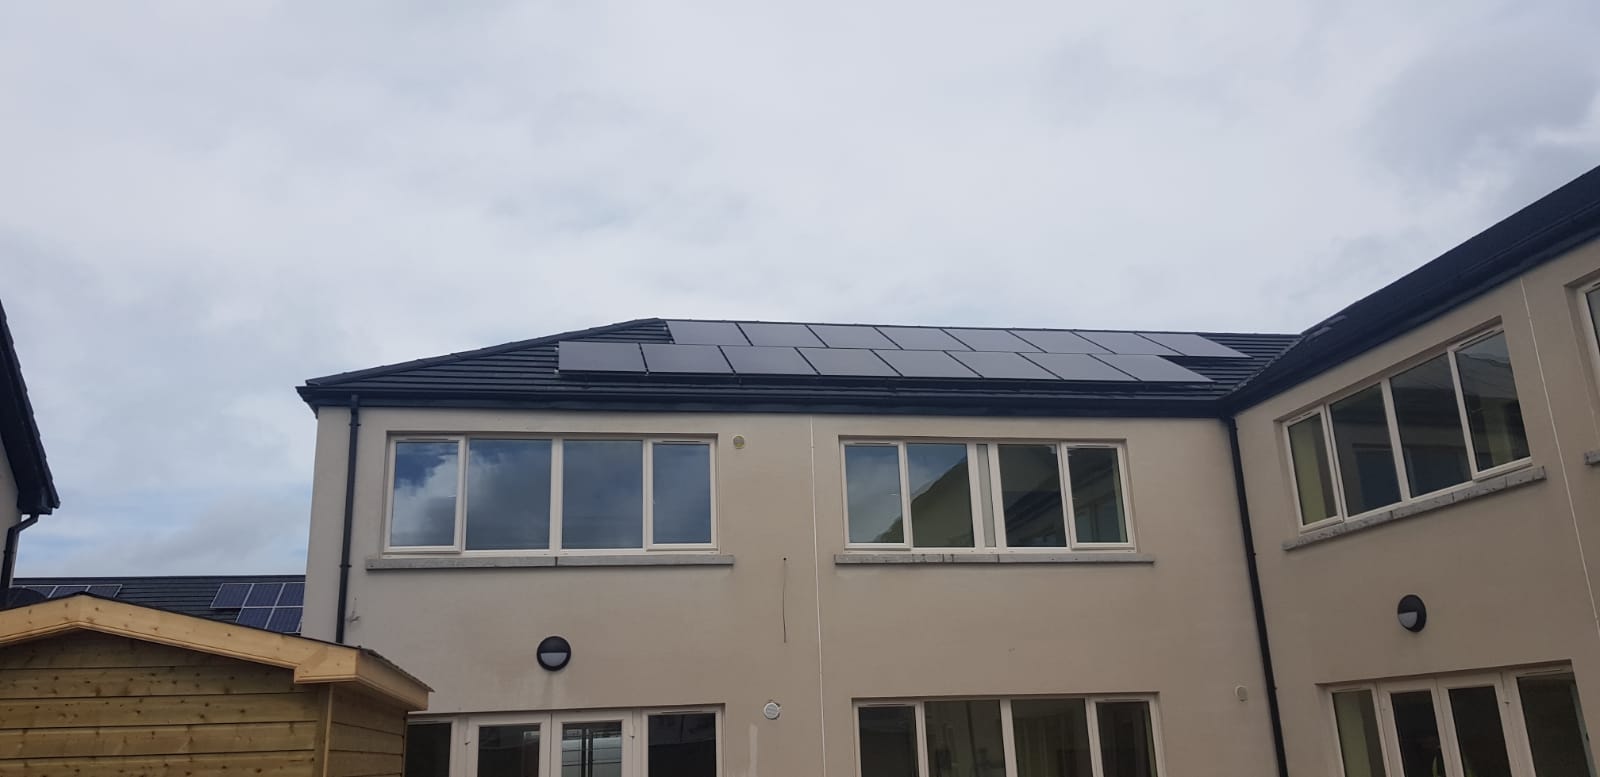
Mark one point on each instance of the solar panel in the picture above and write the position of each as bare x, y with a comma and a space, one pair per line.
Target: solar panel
255, 617
294, 595
285, 620
1127, 342
44, 590
1190, 344
766, 360
68, 590
685, 358
706, 333
230, 595
599, 357
845, 336
797, 335
1002, 366
847, 362
922, 338
1077, 366
925, 364
1152, 368
1056, 341
108, 590
991, 340
263, 595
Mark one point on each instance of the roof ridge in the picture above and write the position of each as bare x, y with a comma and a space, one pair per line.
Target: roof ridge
998, 328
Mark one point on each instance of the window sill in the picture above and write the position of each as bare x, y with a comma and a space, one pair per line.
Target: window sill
527, 562
1065, 557
1482, 488
1591, 457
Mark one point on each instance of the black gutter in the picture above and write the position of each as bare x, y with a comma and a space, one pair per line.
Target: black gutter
1248, 536
349, 517
8, 566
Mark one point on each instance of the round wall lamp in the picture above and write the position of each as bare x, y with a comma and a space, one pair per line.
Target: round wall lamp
1413, 614
554, 653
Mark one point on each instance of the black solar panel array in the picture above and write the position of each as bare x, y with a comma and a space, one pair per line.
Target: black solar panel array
206, 596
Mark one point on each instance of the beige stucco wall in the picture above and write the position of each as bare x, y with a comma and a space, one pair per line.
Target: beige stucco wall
8, 494
1504, 576
742, 635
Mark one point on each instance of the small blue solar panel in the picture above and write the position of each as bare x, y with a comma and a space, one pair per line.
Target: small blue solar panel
294, 595
255, 617
851, 336
794, 335
107, 590
263, 595
1152, 369
285, 620
44, 590
68, 590
230, 596
1127, 343
706, 333
922, 338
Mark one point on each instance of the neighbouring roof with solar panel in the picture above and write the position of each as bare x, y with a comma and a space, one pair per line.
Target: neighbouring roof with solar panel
799, 367
263, 601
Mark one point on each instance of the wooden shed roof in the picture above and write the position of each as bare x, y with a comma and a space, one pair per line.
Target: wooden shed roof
313, 661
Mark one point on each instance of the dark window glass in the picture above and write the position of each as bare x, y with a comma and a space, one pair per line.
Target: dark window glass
1366, 459
1480, 738
1417, 734
683, 745
1097, 513
1554, 718
964, 739
872, 489
1127, 741
1313, 478
1030, 493
602, 494
1051, 738
888, 739
508, 751
1493, 412
1431, 441
681, 488
591, 749
508, 494
425, 485
1359, 745
428, 750
941, 496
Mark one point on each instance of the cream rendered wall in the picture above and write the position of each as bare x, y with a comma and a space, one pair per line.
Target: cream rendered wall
739, 636
8, 494
1506, 577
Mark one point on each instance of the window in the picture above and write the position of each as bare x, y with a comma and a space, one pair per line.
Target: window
618, 743
1062, 737
498, 494
985, 496
1427, 428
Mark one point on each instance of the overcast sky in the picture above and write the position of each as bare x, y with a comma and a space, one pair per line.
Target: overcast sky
203, 204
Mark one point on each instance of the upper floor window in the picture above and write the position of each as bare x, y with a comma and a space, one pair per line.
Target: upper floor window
949, 495
1436, 425
548, 494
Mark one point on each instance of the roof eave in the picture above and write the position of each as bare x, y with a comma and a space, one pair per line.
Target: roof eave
19, 433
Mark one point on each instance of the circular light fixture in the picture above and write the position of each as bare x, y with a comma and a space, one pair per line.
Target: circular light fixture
1413, 614
772, 710
554, 653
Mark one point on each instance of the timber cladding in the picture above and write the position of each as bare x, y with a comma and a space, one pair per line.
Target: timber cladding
85, 703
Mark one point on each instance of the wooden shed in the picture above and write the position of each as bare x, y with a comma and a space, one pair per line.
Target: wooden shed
90, 686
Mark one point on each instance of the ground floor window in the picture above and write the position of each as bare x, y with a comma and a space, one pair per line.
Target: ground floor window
1517, 723
1024, 737
625, 743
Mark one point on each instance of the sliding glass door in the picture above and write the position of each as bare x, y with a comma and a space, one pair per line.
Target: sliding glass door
618, 743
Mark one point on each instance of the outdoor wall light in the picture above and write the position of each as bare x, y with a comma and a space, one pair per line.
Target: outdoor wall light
554, 653
1412, 612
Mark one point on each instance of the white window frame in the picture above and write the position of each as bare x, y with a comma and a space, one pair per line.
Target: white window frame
557, 473
1007, 731
996, 506
1396, 450
1590, 334
635, 734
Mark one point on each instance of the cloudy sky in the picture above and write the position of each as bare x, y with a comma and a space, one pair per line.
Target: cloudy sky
202, 204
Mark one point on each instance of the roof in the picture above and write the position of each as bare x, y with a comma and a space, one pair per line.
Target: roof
186, 594
19, 433
526, 374
313, 661
1553, 225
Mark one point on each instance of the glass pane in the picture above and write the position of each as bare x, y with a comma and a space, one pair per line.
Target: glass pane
681, 487
872, 489
1556, 733
964, 739
683, 745
591, 749
1030, 493
1359, 744
1097, 513
1051, 737
1366, 459
1479, 736
941, 496
602, 494
508, 751
425, 484
1313, 478
888, 741
1493, 413
1431, 441
1127, 743
1417, 733
428, 750
508, 494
